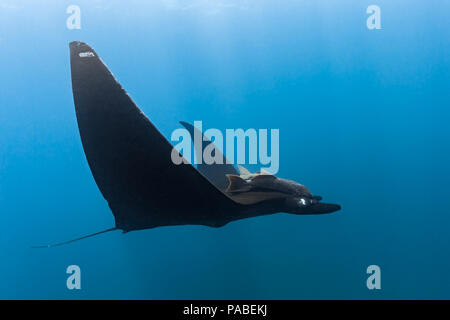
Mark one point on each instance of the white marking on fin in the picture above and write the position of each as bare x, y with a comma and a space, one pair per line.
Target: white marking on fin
86, 54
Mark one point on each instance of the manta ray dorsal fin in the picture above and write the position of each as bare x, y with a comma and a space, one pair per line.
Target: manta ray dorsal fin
237, 184
243, 171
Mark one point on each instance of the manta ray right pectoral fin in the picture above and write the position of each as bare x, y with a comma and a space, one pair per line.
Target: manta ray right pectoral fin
243, 171
237, 184
265, 172
214, 172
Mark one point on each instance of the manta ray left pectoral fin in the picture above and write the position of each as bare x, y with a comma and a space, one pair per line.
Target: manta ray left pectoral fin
130, 160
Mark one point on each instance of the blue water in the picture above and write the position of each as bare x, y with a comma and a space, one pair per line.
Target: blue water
363, 118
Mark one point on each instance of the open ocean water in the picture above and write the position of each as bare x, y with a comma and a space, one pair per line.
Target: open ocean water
364, 121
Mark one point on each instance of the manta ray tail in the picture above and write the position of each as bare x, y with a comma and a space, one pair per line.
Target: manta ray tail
73, 240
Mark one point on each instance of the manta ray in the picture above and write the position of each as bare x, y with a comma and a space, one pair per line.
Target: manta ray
130, 161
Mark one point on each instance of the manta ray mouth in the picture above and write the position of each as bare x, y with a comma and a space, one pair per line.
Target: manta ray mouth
323, 208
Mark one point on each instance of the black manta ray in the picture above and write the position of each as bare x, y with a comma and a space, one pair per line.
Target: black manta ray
131, 163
